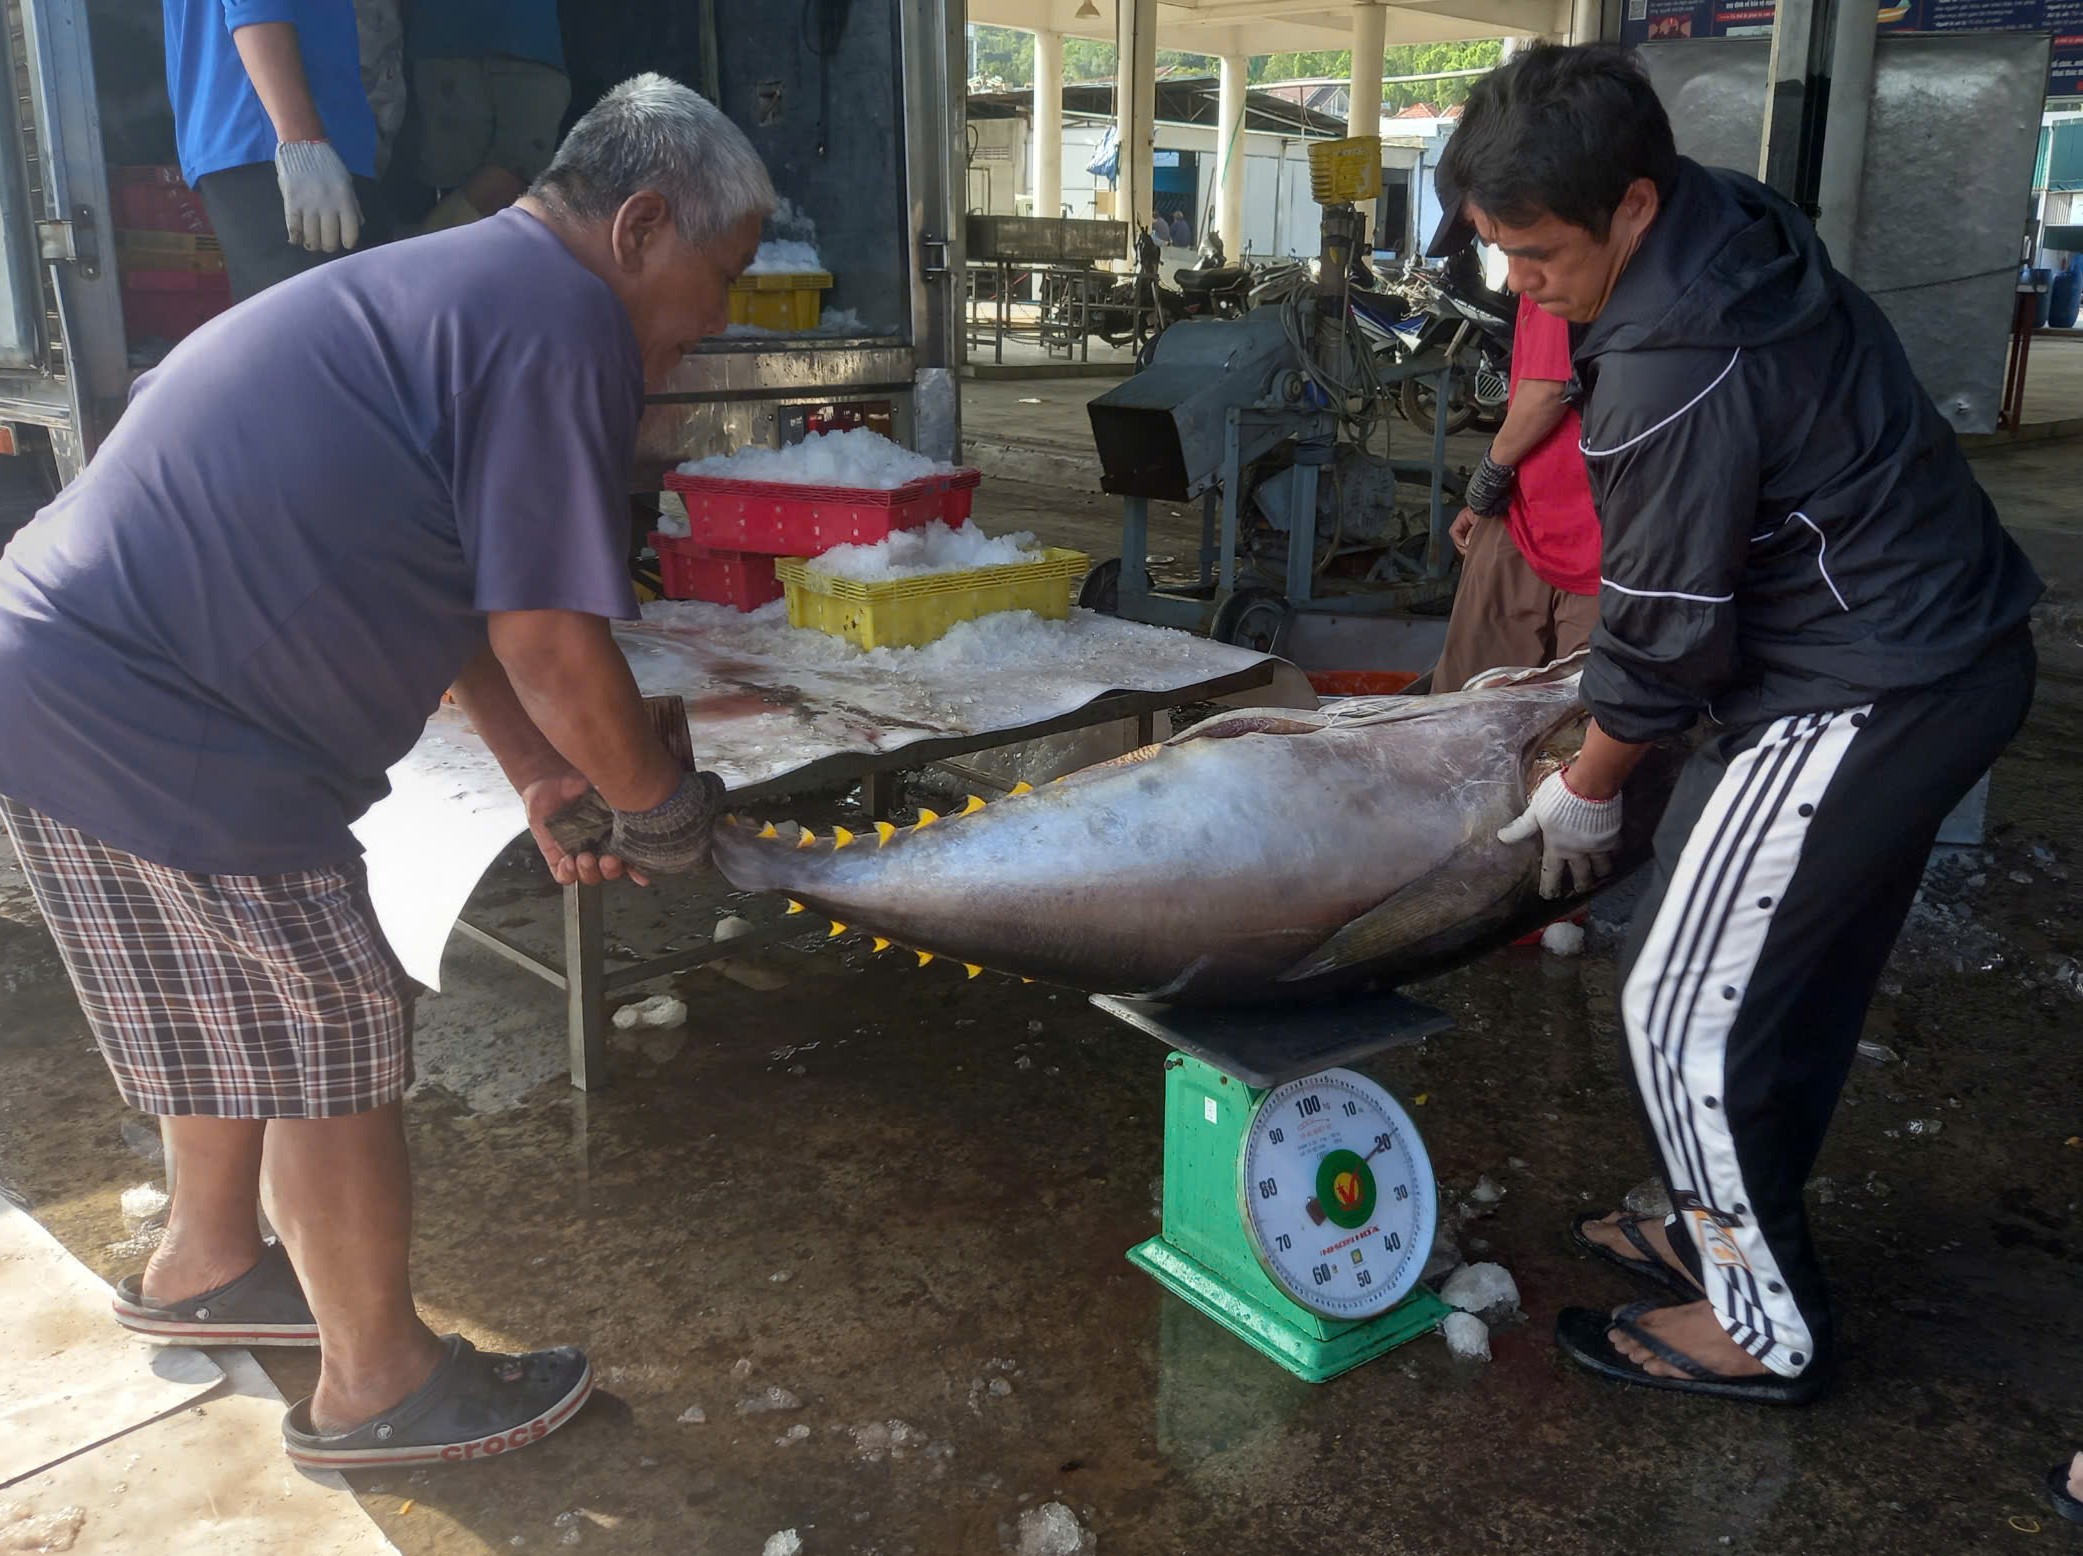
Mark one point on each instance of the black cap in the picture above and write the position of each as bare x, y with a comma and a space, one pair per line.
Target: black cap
1455, 231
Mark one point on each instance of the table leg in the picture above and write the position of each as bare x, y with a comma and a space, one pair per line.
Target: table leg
585, 1001
875, 796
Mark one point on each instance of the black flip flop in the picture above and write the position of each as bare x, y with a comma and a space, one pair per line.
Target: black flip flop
475, 1405
1650, 1267
1581, 1334
265, 1306
2058, 1493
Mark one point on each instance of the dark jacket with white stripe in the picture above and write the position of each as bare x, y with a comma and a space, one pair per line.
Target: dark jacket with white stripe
1789, 523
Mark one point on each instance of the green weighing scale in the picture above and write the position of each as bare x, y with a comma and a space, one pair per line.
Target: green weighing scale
1299, 1201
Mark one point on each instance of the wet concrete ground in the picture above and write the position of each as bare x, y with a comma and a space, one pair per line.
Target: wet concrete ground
903, 1197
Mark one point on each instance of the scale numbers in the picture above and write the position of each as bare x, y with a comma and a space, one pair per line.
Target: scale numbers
1338, 1194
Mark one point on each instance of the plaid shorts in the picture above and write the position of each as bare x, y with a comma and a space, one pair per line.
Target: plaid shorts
228, 996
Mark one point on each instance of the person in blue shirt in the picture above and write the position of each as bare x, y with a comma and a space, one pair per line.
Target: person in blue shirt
274, 129
488, 76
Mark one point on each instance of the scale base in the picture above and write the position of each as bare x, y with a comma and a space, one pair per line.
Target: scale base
1309, 1358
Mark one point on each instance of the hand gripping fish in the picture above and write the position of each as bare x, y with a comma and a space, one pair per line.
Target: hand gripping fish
1262, 855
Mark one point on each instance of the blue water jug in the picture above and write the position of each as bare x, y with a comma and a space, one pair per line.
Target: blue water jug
2065, 298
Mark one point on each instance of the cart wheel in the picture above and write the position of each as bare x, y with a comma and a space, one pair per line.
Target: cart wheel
1101, 590
1254, 618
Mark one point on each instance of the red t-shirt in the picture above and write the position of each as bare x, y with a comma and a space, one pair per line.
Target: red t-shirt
1553, 522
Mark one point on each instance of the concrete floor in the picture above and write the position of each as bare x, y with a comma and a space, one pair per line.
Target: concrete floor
904, 1198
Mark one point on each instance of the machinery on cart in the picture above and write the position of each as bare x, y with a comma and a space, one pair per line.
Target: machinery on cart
1271, 422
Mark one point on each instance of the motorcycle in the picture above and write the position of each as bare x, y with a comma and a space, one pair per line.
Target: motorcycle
1213, 288
1462, 322
1136, 310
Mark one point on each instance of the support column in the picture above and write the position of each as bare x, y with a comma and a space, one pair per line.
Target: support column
1048, 124
1844, 139
1363, 117
1797, 100
1135, 104
1229, 156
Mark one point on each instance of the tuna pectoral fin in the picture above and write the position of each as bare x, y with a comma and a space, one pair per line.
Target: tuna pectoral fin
1461, 889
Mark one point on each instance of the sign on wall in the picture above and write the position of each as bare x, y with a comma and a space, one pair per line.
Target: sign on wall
2062, 19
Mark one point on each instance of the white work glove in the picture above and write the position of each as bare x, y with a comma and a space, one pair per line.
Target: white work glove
318, 203
1576, 834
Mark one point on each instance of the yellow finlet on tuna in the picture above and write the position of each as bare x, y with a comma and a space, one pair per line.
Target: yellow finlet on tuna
881, 944
794, 906
884, 831
808, 839
838, 929
972, 806
926, 818
768, 831
840, 838
925, 957
972, 968
1019, 789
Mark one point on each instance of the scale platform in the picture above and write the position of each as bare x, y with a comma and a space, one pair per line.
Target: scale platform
1275, 1225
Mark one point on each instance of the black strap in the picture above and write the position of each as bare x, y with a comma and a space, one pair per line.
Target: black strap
1625, 1322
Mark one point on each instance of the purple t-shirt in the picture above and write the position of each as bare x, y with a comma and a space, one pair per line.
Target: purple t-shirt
216, 640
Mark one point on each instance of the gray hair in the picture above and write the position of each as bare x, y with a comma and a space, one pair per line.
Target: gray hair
653, 133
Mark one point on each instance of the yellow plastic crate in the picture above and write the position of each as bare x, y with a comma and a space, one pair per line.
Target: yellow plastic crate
779, 302
1341, 170
912, 612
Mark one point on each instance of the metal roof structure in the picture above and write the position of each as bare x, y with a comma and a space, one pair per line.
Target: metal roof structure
1252, 27
1180, 100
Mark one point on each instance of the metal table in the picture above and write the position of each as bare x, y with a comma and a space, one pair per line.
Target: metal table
584, 976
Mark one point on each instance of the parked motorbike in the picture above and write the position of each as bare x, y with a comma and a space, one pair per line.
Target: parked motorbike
1458, 319
1213, 288
1139, 308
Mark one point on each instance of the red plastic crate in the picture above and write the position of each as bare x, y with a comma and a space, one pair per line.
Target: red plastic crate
961, 494
777, 519
171, 304
155, 198
688, 571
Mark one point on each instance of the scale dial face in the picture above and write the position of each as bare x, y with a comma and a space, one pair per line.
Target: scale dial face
1338, 1196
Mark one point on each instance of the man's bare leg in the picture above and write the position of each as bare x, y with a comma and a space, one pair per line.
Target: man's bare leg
340, 1193
212, 1234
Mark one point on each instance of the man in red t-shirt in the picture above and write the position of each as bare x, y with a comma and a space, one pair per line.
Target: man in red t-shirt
1529, 586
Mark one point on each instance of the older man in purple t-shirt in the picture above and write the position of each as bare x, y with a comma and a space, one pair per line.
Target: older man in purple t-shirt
402, 471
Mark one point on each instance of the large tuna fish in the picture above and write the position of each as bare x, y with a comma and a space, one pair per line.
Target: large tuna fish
1260, 855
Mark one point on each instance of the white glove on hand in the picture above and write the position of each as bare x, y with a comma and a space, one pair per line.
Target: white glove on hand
318, 202
1576, 834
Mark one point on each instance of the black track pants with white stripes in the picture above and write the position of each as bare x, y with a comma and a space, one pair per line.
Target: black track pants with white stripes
1784, 868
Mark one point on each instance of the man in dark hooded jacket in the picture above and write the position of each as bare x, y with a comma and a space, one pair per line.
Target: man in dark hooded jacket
1796, 549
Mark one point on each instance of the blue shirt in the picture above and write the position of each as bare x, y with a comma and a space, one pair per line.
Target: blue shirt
218, 120
472, 29
218, 638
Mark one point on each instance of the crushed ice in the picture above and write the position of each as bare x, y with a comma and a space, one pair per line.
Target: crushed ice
1481, 1289
1467, 1336
913, 553
858, 458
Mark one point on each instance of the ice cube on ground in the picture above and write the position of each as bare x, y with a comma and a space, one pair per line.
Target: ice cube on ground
1052, 1530
792, 1436
784, 257
732, 927
146, 1202
1468, 1337
773, 1397
913, 553
1486, 1191
1481, 1288
693, 1415
785, 1542
857, 457
660, 1010
1563, 939
1648, 1198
